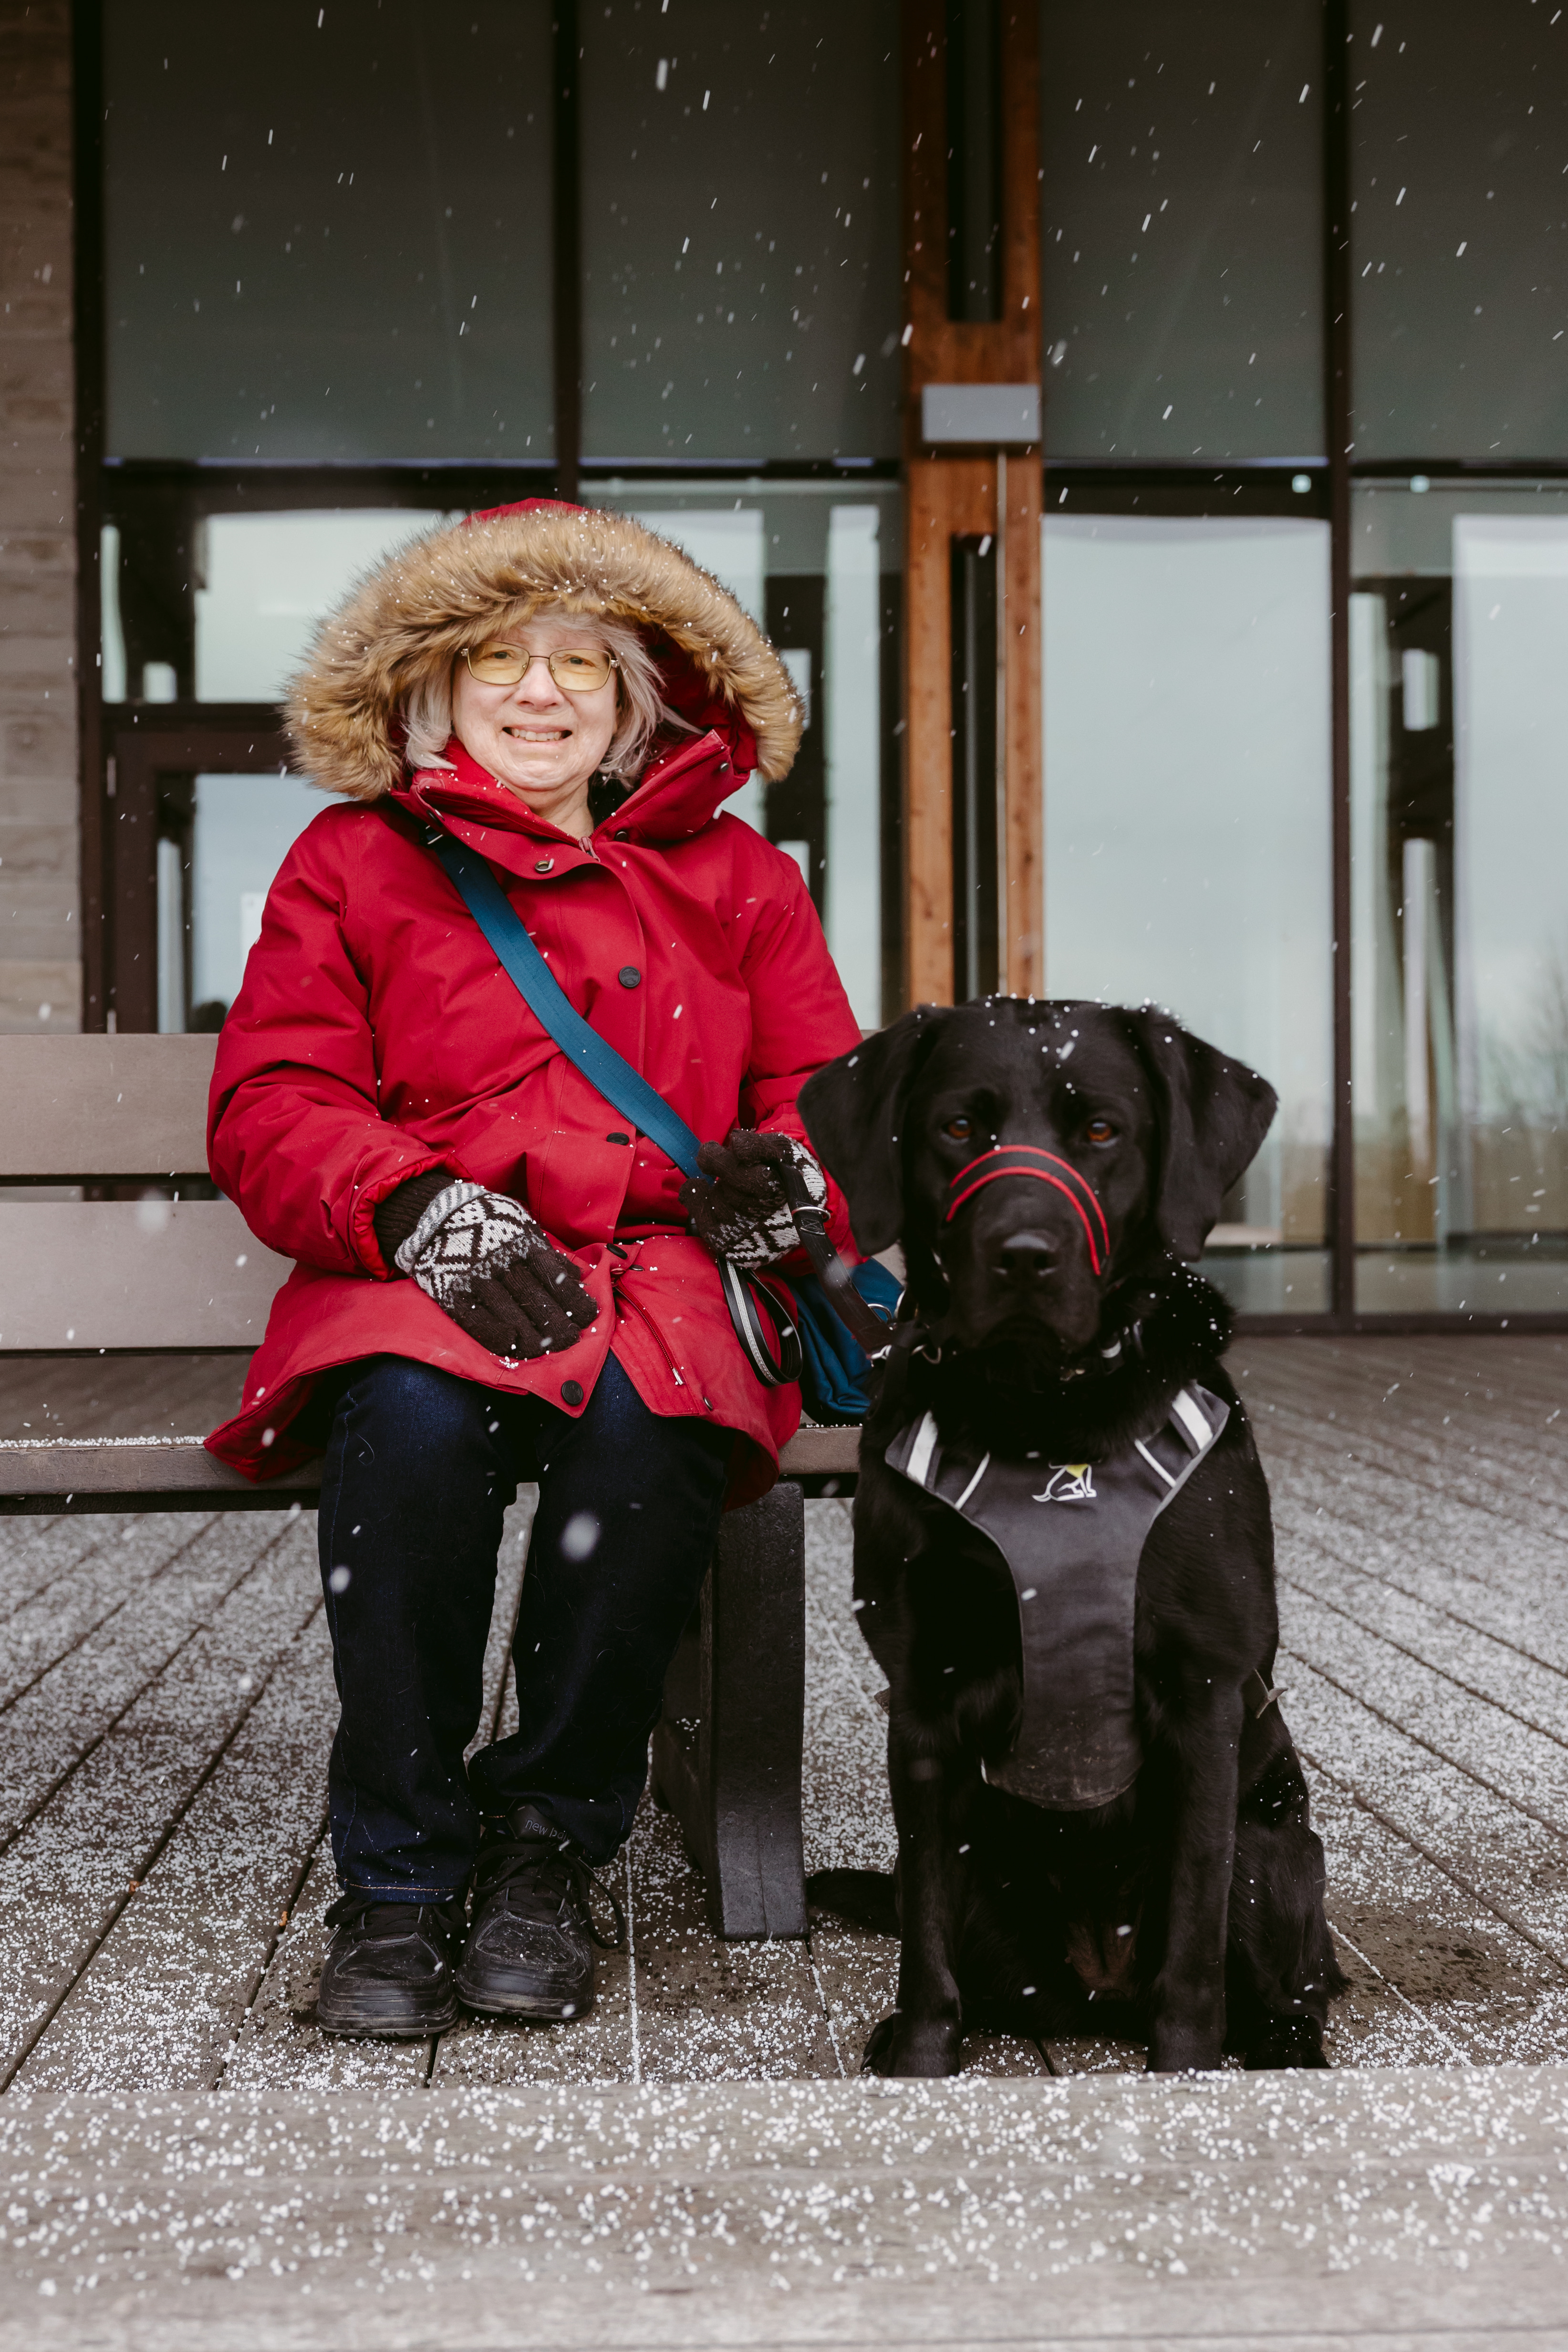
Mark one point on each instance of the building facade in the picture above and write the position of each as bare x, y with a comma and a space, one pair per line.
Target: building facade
1144, 430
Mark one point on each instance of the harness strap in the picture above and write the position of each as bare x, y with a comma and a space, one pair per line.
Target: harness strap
1029, 1159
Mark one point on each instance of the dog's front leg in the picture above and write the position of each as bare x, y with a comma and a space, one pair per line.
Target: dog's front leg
1187, 2030
925, 2034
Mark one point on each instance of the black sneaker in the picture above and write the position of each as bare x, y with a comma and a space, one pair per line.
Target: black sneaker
530, 1949
388, 1969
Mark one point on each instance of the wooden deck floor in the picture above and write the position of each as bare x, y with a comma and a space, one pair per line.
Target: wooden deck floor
167, 1707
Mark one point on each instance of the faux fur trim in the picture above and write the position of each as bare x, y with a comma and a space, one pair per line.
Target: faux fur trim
409, 618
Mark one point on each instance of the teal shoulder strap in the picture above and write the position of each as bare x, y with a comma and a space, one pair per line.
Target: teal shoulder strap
622, 1087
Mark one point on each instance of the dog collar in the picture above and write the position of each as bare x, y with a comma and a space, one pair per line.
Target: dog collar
1029, 1159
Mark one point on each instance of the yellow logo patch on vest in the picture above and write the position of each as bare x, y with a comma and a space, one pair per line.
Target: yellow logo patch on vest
1070, 1482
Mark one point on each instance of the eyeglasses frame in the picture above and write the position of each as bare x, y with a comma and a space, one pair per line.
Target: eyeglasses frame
549, 661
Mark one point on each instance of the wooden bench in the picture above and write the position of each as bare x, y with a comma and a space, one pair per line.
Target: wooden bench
162, 1276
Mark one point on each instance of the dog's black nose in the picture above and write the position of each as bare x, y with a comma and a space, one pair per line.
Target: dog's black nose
1025, 1260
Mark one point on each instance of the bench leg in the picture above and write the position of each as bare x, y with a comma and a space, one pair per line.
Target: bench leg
728, 1750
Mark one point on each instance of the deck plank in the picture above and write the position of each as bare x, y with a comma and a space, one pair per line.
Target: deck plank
1519, 1868
70, 1874
79, 1600
710, 2011
168, 1988
1516, 1484
58, 1724
34, 1551
1436, 1979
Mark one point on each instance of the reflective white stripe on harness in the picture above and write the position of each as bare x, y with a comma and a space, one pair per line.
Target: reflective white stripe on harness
1193, 1427
1154, 1461
985, 1465
920, 1452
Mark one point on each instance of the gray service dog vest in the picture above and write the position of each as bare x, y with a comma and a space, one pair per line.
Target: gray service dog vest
1072, 1534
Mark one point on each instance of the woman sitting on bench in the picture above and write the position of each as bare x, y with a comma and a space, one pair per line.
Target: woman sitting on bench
498, 1277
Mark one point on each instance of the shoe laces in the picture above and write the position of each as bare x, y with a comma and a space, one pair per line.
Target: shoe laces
556, 1872
354, 1910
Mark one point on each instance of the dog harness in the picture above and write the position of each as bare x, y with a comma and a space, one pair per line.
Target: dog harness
1072, 1534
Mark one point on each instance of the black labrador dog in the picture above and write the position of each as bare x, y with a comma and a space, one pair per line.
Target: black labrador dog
1050, 1167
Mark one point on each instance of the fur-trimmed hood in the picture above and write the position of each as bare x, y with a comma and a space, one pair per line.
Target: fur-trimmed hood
409, 619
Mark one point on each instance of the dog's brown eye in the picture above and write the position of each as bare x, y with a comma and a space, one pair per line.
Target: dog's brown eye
960, 1130
1099, 1130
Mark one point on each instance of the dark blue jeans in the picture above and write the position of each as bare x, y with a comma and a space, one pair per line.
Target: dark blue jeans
419, 1469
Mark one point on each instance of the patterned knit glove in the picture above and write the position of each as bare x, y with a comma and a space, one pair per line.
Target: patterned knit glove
488, 1265
743, 1214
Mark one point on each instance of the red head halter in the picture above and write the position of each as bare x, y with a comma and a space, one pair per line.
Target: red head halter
1027, 1159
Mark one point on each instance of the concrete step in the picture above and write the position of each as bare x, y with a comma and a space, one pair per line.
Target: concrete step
1403, 2209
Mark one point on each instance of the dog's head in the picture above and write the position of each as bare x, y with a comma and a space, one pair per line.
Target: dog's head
1030, 1154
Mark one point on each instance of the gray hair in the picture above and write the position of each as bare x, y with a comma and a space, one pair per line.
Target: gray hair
642, 711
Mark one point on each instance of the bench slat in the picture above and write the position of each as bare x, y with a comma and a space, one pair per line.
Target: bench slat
85, 1274
110, 1107
140, 1476
135, 1474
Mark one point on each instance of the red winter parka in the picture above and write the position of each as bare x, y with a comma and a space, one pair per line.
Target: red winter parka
375, 1036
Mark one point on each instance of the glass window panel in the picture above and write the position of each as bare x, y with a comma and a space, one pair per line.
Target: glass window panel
267, 582
1458, 137
817, 564
212, 881
328, 233
1180, 228
742, 278
1460, 881
1187, 834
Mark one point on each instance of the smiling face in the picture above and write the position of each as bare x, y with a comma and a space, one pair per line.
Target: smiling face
1018, 1254
545, 744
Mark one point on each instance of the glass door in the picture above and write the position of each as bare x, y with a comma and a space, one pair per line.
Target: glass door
1186, 828
1460, 868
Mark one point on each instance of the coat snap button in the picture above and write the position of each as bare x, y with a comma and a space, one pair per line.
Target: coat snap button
544, 866
617, 1138
572, 1392
625, 833
628, 976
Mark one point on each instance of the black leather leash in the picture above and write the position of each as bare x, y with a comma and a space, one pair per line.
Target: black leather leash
863, 1324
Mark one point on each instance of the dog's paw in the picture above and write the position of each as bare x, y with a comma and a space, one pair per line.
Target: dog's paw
1286, 2042
912, 2046
1178, 2050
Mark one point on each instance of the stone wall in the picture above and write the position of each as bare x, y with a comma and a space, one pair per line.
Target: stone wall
40, 970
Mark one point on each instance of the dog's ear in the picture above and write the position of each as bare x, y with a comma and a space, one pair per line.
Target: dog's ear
852, 1111
1213, 1113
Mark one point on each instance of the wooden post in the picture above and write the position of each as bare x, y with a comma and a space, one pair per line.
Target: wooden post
955, 496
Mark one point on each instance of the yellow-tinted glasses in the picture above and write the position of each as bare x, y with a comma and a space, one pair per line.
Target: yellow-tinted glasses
576, 670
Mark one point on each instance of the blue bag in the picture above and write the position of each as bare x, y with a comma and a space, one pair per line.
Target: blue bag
834, 1372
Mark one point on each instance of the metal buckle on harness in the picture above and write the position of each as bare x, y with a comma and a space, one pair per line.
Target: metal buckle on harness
1259, 1695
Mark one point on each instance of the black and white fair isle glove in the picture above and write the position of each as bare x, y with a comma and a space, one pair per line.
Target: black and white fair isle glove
743, 1214
488, 1265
